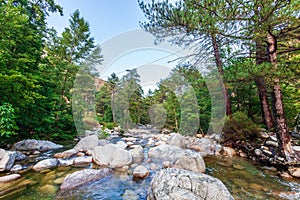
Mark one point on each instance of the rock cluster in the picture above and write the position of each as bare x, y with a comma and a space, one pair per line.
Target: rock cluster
177, 156
178, 184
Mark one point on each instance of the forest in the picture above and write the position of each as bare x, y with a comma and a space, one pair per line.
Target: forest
254, 44
223, 123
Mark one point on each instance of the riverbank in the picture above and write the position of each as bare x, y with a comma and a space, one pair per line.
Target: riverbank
243, 178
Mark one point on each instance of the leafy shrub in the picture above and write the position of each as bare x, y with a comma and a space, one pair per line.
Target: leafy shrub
240, 127
7, 121
109, 125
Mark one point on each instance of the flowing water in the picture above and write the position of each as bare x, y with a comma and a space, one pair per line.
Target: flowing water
243, 178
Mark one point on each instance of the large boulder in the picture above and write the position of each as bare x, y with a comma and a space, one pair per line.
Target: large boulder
205, 145
137, 154
83, 177
7, 159
170, 153
176, 140
178, 184
35, 145
87, 143
46, 164
111, 155
192, 162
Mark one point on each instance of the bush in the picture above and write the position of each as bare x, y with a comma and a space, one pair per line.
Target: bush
7, 121
109, 125
240, 127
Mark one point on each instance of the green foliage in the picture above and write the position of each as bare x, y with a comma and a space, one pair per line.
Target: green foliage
240, 127
37, 68
127, 100
8, 125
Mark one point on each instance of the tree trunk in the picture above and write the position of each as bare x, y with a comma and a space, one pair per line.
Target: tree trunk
220, 70
264, 102
283, 135
262, 88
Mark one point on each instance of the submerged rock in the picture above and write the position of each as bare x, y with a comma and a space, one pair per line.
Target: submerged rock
48, 189
130, 195
84, 177
35, 145
7, 159
178, 184
9, 178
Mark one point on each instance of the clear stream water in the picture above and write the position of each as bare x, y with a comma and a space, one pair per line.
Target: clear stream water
244, 179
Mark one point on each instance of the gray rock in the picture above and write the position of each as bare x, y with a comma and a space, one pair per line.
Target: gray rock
166, 164
296, 148
170, 153
103, 142
268, 153
295, 172
82, 160
83, 177
202, 145
20, 156
9, 178
87, 143
46, 164
89, 133
228, 151
137, 154
35, 145
258, 152
264, 135
192, 162
274, 138
165, 131
272, 143
178, 184
218, 148
153, 166
7, 160
65, 162
140, 172
66, 154
121, 144
111, 155
16, 168
176, 140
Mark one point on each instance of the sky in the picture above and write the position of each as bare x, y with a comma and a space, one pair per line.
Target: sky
111, 20
107, 18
